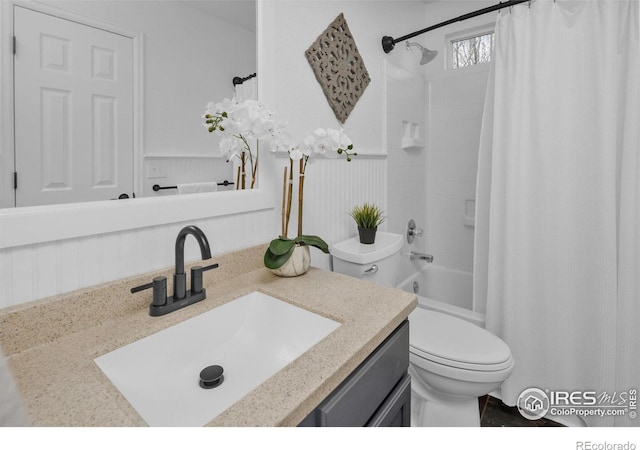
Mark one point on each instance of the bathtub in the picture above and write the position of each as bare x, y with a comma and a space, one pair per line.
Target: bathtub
444, 290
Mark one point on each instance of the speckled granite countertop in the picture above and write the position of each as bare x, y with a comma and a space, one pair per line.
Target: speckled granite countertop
51, 344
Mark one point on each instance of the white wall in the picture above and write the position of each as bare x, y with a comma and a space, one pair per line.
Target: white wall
333, 186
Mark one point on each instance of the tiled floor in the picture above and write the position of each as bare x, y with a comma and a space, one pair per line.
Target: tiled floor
494, 413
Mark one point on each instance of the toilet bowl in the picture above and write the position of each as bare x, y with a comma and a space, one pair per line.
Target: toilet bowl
451, 362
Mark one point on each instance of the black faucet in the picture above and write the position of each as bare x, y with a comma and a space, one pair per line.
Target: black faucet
162, 304
180, 278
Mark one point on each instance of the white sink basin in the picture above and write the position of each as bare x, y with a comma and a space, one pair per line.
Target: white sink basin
251, 337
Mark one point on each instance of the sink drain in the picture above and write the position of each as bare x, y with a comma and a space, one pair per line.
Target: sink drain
211, 377
416, 287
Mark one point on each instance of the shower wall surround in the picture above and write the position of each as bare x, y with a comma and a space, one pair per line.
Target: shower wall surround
406, 103
455, 118
36, 271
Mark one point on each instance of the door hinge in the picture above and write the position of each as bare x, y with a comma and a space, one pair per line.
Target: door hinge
15, 180
14, 45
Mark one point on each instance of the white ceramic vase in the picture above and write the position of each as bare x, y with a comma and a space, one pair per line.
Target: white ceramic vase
298, 263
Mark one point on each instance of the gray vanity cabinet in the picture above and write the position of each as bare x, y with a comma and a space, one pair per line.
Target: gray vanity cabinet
377, 393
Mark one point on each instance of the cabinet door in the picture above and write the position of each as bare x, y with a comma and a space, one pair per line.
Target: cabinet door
396, 410
360, 396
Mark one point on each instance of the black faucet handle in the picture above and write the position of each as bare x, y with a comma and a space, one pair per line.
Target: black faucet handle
196, 277
212, 266
142, 287
159, 285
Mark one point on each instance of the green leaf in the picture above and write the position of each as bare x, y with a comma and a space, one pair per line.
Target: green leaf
272, 261
367, 215
314, 241
281, 246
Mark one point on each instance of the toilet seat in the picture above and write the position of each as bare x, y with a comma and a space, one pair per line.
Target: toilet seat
455, 343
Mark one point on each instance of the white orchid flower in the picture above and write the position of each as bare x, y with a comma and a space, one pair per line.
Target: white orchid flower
320, 133
331, 154
276, 145
278, 129
210, 109
281, 142
261, 128
309, 140
240, 122
227, 105
295, 154
336, 140
344, 140
231, 147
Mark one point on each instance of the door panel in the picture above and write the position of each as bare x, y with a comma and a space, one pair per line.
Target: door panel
74, 111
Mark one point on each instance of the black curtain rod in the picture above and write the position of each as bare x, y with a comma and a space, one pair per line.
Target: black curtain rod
388, 43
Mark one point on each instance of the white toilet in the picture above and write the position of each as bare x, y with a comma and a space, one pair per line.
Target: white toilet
377, 262
452, 362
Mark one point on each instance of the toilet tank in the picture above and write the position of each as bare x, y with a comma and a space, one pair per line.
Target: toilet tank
377, 262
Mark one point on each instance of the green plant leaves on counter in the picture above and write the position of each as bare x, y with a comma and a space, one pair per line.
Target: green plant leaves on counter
280, 249
281, 245
273, 261
314, 241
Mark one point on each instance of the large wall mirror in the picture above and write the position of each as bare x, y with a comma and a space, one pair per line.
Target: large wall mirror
108, 96
176, 56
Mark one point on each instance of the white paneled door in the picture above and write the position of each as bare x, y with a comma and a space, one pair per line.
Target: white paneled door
73, 111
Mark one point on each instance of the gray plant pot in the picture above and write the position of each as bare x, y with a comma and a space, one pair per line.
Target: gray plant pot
367, 235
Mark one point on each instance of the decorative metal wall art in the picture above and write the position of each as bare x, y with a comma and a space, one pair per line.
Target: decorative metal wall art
338, 67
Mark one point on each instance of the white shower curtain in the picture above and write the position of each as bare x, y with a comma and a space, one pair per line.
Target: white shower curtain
557, 250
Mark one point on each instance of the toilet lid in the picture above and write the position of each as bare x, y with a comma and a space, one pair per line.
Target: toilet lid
452, 341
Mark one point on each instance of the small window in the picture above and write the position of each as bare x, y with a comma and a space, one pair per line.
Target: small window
470, 51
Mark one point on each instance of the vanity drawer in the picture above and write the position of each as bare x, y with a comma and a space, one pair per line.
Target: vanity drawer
355, 402
396, 409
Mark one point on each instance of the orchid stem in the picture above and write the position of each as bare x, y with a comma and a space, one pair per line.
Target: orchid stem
300, 195
289, 196
243, 159
284, 200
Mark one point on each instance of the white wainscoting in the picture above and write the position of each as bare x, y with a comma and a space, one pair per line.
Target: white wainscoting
332, 189
37, 271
